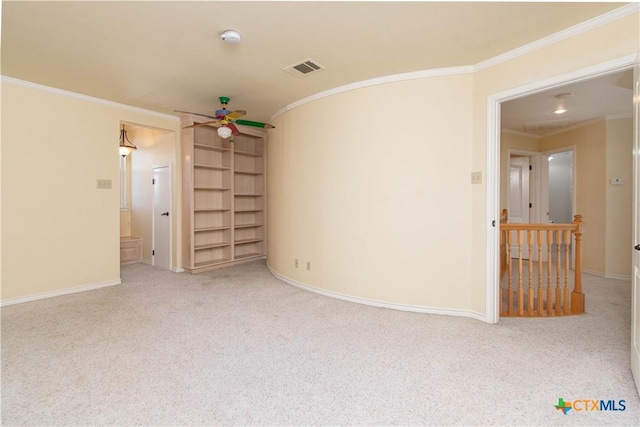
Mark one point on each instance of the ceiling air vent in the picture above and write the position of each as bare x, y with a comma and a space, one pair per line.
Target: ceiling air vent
303, 68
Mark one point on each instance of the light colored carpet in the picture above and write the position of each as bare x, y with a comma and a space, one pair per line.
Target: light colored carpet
239, 347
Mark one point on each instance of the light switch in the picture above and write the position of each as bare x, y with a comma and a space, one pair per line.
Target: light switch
476, 177
103, 184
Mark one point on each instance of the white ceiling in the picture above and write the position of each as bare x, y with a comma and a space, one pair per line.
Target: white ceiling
609, 96
167, 56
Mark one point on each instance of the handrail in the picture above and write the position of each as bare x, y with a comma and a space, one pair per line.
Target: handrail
533, 243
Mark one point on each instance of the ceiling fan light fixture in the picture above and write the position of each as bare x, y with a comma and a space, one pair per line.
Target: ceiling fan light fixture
224, 132
126, 147
231, 37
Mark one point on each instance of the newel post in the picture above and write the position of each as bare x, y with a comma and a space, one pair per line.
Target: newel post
577, 296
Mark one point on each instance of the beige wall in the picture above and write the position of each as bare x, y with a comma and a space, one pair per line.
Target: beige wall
376, 203
619, 199
58, 230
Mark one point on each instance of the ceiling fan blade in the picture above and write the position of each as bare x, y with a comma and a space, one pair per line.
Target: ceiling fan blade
202, 124
235, 114
197, 114
233, 128
255, 124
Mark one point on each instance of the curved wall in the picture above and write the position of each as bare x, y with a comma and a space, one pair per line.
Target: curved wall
372, 187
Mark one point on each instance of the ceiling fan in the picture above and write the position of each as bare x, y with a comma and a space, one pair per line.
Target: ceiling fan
227, 120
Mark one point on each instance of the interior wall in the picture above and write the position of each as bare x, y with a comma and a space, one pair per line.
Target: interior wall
156, 147
379, 207
54, 216
619, 198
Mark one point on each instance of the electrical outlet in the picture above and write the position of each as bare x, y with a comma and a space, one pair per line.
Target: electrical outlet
308, 265
296, 262
103, 184
476, 177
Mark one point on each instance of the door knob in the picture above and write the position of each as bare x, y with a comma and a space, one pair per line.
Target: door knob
637, 247
164, 214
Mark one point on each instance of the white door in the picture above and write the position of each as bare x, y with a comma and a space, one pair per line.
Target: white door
519, 198
635, 278
161, 251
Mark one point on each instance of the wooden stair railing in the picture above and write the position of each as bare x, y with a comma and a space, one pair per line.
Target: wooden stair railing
551, 295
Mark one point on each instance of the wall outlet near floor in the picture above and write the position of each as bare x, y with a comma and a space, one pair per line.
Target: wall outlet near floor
296, 263
476, 177
308, 265
103, 184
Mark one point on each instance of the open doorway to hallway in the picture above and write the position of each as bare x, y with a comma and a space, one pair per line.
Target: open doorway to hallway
603, 139
580, 163
147, 216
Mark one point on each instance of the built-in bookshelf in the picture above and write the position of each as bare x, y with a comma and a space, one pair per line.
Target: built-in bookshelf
223, 196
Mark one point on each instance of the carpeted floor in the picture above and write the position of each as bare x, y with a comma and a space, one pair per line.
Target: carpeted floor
239, 347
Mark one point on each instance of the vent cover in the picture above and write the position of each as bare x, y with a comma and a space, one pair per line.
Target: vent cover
304, 68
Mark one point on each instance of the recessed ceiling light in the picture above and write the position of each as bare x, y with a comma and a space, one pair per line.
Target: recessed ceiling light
560, 110
231, 37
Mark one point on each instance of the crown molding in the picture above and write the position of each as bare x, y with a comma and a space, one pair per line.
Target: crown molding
618, 116
520, 133
562, 35
577, 125
37, 86
394, 78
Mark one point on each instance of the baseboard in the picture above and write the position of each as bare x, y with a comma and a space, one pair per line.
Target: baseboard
149, 262
20, 300
381, 304
606, 276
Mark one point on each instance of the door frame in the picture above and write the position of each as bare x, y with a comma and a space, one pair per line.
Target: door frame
171, 214
494, 103
635, 263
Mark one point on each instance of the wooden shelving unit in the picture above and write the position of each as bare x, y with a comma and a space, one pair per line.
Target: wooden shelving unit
224, 202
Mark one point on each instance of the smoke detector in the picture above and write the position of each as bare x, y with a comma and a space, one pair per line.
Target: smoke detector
231, 37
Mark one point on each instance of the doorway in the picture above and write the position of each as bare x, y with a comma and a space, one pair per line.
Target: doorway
493, 161
157, 149
560, 187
